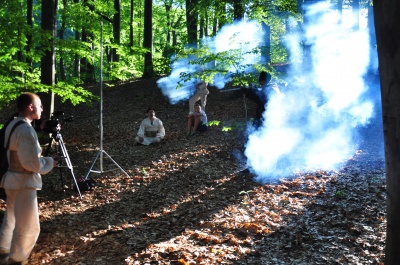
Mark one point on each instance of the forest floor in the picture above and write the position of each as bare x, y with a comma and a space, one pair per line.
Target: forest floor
186, 201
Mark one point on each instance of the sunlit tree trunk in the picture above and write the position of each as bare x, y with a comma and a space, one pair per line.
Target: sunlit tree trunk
132, 16
49, 8
62, 75
220, 16
387, 25
29, 22
76, 56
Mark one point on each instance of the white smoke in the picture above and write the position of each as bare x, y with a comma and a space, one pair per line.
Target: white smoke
243, 36
312, 124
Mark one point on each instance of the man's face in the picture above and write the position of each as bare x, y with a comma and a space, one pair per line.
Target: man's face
37, 108
151, 113
197, 108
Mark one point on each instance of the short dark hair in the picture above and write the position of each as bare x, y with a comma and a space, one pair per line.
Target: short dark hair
264, 76
150, 108
25, 99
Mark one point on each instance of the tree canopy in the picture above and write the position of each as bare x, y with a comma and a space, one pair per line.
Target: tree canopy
77, 42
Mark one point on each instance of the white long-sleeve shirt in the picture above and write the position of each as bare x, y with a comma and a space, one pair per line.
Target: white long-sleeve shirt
156, 126
25, 145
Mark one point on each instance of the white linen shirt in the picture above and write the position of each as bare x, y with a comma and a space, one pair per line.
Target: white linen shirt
155, 126
25, 142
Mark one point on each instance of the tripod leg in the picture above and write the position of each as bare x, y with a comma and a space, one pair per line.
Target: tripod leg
58, 152
49, 145
68, 161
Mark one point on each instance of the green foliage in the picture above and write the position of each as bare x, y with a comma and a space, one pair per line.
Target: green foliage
236, 126
20, 67
339, 194
213, 123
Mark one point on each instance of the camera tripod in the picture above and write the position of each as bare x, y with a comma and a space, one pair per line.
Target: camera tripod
62, 154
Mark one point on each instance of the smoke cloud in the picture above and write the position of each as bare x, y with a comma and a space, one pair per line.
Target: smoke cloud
243, 36
314, 124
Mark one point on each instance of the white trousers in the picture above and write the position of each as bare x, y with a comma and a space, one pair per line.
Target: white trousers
20, 228
148, 140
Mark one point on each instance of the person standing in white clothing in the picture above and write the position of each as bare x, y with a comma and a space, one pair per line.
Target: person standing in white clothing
201, 94
20, 228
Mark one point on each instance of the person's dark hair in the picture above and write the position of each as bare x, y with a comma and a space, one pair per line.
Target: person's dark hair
150, 108
24, 100
264, 76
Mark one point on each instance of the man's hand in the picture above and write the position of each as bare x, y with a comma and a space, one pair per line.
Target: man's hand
55, 163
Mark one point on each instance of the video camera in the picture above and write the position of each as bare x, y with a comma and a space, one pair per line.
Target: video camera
54, 124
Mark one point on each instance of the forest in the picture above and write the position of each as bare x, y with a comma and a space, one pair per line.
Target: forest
316, 187
55, 46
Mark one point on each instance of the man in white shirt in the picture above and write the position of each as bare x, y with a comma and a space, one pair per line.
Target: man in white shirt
20, 228
151, 129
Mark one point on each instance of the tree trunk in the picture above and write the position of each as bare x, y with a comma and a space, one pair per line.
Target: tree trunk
238, 10
339, 7
306, 64
49, 8
355, 4
116, 29
29, 22
191, 22
266, 51
62, 75
387, 25
87, 68
148, 39
132, 16
168, 7
77, 66
220, 15
202, 23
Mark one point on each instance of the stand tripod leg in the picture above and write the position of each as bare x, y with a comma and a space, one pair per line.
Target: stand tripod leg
91, 167
94, 161
116, 164
68, 161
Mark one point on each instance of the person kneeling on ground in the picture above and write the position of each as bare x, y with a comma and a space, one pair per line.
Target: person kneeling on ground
197, 121
151, 129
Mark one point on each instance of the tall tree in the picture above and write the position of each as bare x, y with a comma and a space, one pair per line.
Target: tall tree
116, 29
86, 67
238, 10
29, 22
49, 8
148, 70
387, 25
62, 74
191, 22
131, 19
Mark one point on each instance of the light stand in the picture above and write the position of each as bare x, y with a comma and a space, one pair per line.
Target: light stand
101, 151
